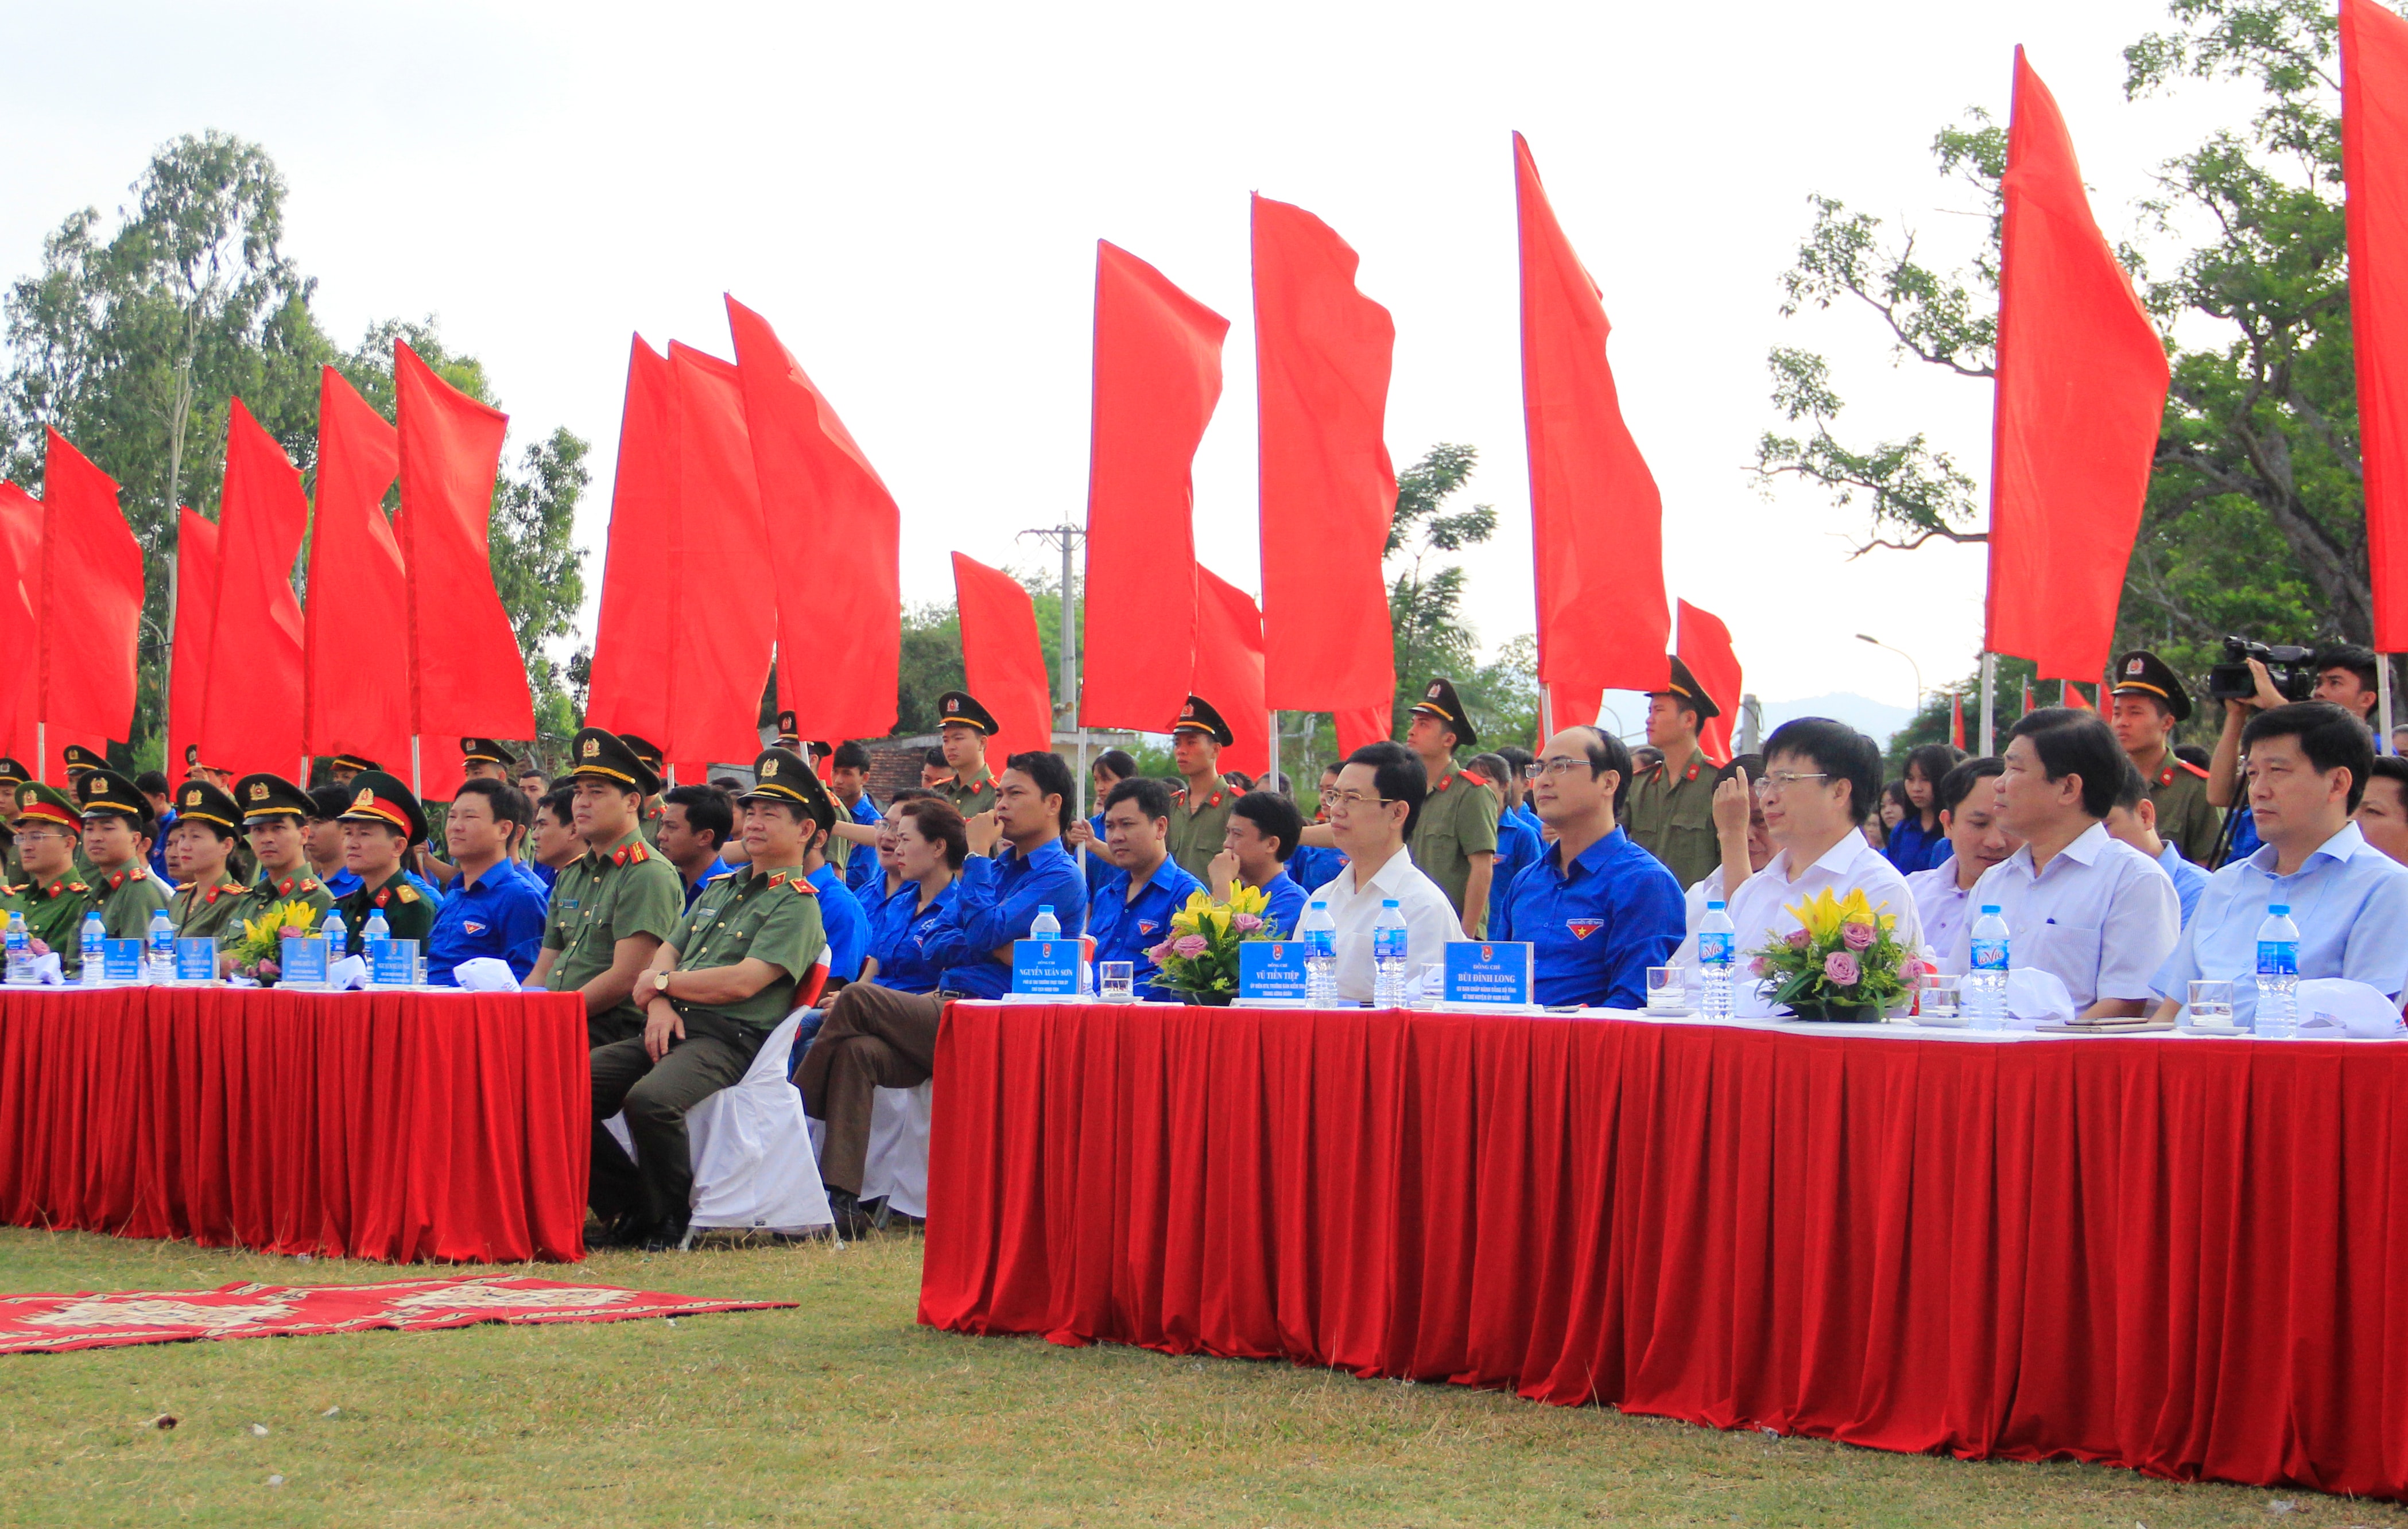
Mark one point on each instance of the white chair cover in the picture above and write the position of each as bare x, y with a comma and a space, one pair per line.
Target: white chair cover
754, 1166
897, 1163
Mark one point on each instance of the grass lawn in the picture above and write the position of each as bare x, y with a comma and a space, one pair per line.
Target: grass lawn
845, 1412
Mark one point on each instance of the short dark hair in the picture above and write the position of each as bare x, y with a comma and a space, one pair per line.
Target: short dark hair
1934, 760
1118, 761
1516, 755
561, 802
2072, 740
938, 822
509, 802
152, 783
1491, 766
2129, 790
849, 756
1608, 752
1152, 797
1896, 792
329, 802
2361, 662
1839, 751
936, 757
2191, 753
2393, 768
727, 784
1275, 815
1959, 783
1397, 774
707, 811
2331, 738
1751, 763
1052, 779
901, 794
531, 772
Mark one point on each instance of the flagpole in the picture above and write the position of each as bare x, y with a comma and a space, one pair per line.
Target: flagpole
1989, 695
1274, 783
2383, 690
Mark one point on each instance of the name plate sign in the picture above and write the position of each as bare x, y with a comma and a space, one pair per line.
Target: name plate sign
396, 964
196, 961
120, 960
1047, 967
1272, 970
1488, 974
304, 963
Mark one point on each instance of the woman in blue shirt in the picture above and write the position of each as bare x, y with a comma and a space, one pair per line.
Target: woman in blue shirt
1919, 843
930, 845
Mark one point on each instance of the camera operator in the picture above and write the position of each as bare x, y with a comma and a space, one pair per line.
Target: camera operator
2346, 675
2149, 700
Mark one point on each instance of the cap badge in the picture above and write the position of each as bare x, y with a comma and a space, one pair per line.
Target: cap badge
2134, 667
1431, 693
768, 768
365, 798
593, 748
259, 790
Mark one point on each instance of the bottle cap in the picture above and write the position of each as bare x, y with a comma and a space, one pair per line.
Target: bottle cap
1988, 909
1713, 903
1319, 903
1387, 901
2279, 911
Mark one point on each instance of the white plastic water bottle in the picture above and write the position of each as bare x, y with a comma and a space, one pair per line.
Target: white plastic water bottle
2278, 975
337, 934
1716, 938
373, 935
1319, 932
1046, 925
88, 949
1984, 988
20, 951
162, 966
1389, 949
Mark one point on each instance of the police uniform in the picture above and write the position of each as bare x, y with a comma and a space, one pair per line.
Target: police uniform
265, 798
486, 751
1459, 814
617, 892
79, 762
12, 866
1199, 826
2186, 818
1670, 815
764, 915
648, 812
206, 911
409, 913
127, 895
957, 707
343, 766
54, 910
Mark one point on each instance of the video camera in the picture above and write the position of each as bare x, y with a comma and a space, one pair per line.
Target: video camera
2288, 667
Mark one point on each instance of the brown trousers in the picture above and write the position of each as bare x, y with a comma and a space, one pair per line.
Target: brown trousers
874, 1037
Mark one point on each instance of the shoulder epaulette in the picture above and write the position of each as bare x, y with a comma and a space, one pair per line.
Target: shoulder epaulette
803, 886
2192, 767
408, 892
1474, 775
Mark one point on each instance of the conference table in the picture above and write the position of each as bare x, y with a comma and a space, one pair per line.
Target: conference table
2182, 1254
398, 1126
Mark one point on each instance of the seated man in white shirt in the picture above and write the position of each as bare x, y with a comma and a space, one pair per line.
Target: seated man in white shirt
2087, 908
2305, 766
1968, 798
1372, 814
1821, 779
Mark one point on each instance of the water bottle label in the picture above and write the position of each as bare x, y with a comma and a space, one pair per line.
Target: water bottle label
1714, 949
1319, 942
1989, 955
1389, 945
2277, 958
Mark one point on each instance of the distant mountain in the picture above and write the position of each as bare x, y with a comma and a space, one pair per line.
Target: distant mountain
1876, 720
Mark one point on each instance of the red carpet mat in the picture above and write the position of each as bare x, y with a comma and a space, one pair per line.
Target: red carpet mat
53, 1324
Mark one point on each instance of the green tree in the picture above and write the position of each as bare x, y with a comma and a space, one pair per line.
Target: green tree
1425, 593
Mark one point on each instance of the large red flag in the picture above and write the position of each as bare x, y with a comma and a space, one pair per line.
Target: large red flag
92, 598
197, 584
1956, 718
466, 674
1229, 670
2375, 162
1596, 517
632, 634
349, 705
1158, 377
20, 531
1359, 726
1706, 648
1003, 662
251, 718
1321, 356
720, 641
835, 540
2081, 393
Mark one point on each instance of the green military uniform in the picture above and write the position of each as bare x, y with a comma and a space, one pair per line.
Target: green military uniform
12, 865
2186, 818
958, 708
1200, 822
1458, 817
127, 895
409, 913
1671, 817
617, 892
54, 910
266, 798
650, 812
204, 910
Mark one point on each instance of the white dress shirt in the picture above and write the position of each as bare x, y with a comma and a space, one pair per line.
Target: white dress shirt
1759, 913
1941, 902
2349, 899
1430, 919
2101, 917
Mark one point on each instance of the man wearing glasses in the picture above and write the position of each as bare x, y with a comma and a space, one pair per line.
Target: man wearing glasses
54, 897
1372, 813
1599, 909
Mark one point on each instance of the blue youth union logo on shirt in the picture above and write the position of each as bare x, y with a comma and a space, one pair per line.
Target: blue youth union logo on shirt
1272, 969
1488, 973
1048, 967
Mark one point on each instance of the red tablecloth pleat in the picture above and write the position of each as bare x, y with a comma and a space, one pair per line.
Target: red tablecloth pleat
391, 1126
2185, 1256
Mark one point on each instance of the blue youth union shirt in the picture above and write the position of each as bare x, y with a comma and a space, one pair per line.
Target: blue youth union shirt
501, 915
998, 901
1126, 927
902, 934
1518, 848
847, 925
1286, 900
1600, 926
863, 874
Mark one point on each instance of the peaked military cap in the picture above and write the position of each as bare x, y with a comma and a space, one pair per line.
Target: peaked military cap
2141, 672
99, 791
604, 755
263, 797
354, 762
193, 764
1684, 686
79, 759
790, 733
486, 751
13, 774
781, 774
46, 804
959, 708
210, 803
1437, 700
648, 755
1197, 716
378, 797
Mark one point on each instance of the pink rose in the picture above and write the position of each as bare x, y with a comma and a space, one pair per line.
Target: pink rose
1841, 967
1798, 938
1857, 936
1760, 967
1244, 924
1190, 946
1156, 954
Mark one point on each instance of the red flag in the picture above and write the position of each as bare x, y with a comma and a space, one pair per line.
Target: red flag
718, 644
835, 541
1596, 517
194, 617
2374, 164
92, 598
1003, 663
1229, 671
1706, 648
253, 722
1956, 718
21, 552
2081, 393
632, 643
1158, 377
2068, 693
1361, 726
354, 567
2026, 693
1322, 355
466, 675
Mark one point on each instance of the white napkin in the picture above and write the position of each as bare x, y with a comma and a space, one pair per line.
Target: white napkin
49, 971
2331, 1006
347, 975
485, 974
2034, 995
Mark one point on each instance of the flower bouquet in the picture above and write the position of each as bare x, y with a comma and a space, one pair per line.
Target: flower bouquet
260, 951
1199, 958
1847, 962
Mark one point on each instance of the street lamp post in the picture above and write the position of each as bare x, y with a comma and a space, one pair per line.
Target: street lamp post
1909, 664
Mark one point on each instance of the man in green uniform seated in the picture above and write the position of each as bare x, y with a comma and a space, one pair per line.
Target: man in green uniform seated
380, 827
275, 820
612, 905
204, 834
117, 828
53, 896
713, 993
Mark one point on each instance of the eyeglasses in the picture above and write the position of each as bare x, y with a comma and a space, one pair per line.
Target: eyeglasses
1780, 781
1351, 800
40, 836
1561, 766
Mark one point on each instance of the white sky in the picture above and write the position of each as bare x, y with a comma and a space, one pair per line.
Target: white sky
913, 195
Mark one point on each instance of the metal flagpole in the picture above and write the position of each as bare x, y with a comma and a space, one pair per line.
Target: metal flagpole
2383, 690
1990, 694
1067, 537
414, 787
1274, 778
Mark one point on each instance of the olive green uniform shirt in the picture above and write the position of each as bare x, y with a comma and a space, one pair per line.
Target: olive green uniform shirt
648, 820
2186, 818
126, 900
770, 916
205, 913
970, 800
599, 899
1198, 829
1458, 821
262, 895
1672, 818
409, 913
54, 914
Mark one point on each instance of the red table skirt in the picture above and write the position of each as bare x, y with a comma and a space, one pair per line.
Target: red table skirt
394, 1126
2185, 1256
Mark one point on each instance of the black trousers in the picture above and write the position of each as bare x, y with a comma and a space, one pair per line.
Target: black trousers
657, 1184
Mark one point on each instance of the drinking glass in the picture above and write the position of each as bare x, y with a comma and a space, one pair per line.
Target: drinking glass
1667, 990
2211, 1002
1939, 996
1424, 985
1119, 981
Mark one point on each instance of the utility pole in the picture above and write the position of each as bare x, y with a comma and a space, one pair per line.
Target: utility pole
1068, 539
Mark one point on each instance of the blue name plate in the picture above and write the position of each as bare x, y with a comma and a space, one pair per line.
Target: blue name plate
1489, 973
304, 963
1048, 967
1272, 969
196, 961
120, 960
396, 964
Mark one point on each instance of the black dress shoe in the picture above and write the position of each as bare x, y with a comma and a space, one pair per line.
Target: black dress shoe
852, 1222
666, 1239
